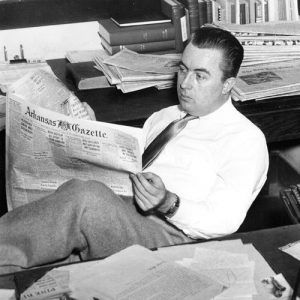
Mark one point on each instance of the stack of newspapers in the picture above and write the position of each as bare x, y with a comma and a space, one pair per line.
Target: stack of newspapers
271, 66
130, 71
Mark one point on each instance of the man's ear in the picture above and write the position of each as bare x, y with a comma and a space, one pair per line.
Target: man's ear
228, 85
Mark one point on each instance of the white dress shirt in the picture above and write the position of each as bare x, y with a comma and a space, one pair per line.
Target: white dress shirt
217, 165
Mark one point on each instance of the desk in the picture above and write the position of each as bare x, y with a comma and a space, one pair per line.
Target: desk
278, 118
265, 241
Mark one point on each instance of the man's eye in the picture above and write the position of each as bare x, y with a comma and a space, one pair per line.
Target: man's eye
182, 69
199, 77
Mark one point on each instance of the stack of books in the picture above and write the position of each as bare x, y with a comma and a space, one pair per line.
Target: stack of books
271, 66
166, 31
140, 38
130, 71
291, 198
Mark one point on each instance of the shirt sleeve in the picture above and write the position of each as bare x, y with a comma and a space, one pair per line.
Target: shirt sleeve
240, 177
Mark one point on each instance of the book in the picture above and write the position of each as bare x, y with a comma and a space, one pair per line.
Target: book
176, 11
209, 11
291, 203
140, 18
217, 12
86, 76
193, 13
139, 47
116, 35
244, 13
202, 5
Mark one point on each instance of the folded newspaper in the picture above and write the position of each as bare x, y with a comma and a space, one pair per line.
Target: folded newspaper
51, 139
131, 71
267, 80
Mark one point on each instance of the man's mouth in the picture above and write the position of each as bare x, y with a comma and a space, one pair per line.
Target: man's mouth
184, 97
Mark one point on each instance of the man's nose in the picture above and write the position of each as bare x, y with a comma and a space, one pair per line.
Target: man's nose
187, 80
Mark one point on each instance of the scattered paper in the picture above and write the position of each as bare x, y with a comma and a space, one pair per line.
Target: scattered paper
10, 73
76, 56
53, 284
7, 294
136, 273
292, 249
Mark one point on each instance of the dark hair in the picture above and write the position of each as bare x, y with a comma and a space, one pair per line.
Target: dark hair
212, 37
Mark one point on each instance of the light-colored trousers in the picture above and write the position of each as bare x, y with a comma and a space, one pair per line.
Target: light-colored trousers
83, 217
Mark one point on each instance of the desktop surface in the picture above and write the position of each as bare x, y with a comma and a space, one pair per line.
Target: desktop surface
266, 241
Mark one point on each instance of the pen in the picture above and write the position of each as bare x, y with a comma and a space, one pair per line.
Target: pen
278, 288
277, 285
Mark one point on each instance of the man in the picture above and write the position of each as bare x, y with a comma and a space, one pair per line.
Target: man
198, 182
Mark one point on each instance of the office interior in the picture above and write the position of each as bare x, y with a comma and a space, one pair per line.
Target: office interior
279, 118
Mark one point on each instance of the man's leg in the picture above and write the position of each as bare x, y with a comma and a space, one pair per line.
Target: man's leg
80, 216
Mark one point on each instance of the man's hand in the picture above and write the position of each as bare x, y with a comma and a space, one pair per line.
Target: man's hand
150, 192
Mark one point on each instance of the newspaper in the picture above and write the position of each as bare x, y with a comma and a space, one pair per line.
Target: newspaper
9, 73
50, 140
51, 286
128, 79
274, 27
144, 62
267, 79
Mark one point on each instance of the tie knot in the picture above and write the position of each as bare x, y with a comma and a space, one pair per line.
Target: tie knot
189, 117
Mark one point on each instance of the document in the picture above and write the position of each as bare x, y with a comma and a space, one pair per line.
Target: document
50, 140
238, 266
136, 273
7, 294
52, 285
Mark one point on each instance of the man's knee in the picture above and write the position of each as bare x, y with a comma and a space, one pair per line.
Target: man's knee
88, 193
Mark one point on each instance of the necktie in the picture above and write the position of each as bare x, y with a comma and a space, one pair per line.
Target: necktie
159, 143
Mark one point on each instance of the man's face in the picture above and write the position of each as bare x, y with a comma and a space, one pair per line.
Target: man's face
199, 86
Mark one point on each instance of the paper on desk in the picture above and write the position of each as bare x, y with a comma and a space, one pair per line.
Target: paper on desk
10, 73
262, 269
219, 258
54, 283
292, 249
7, 294
144, 62
76, 56
135, 273
232, 270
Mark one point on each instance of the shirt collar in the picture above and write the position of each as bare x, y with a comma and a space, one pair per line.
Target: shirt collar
222, 113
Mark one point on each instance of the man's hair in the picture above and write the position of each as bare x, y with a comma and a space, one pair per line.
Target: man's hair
211, 37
